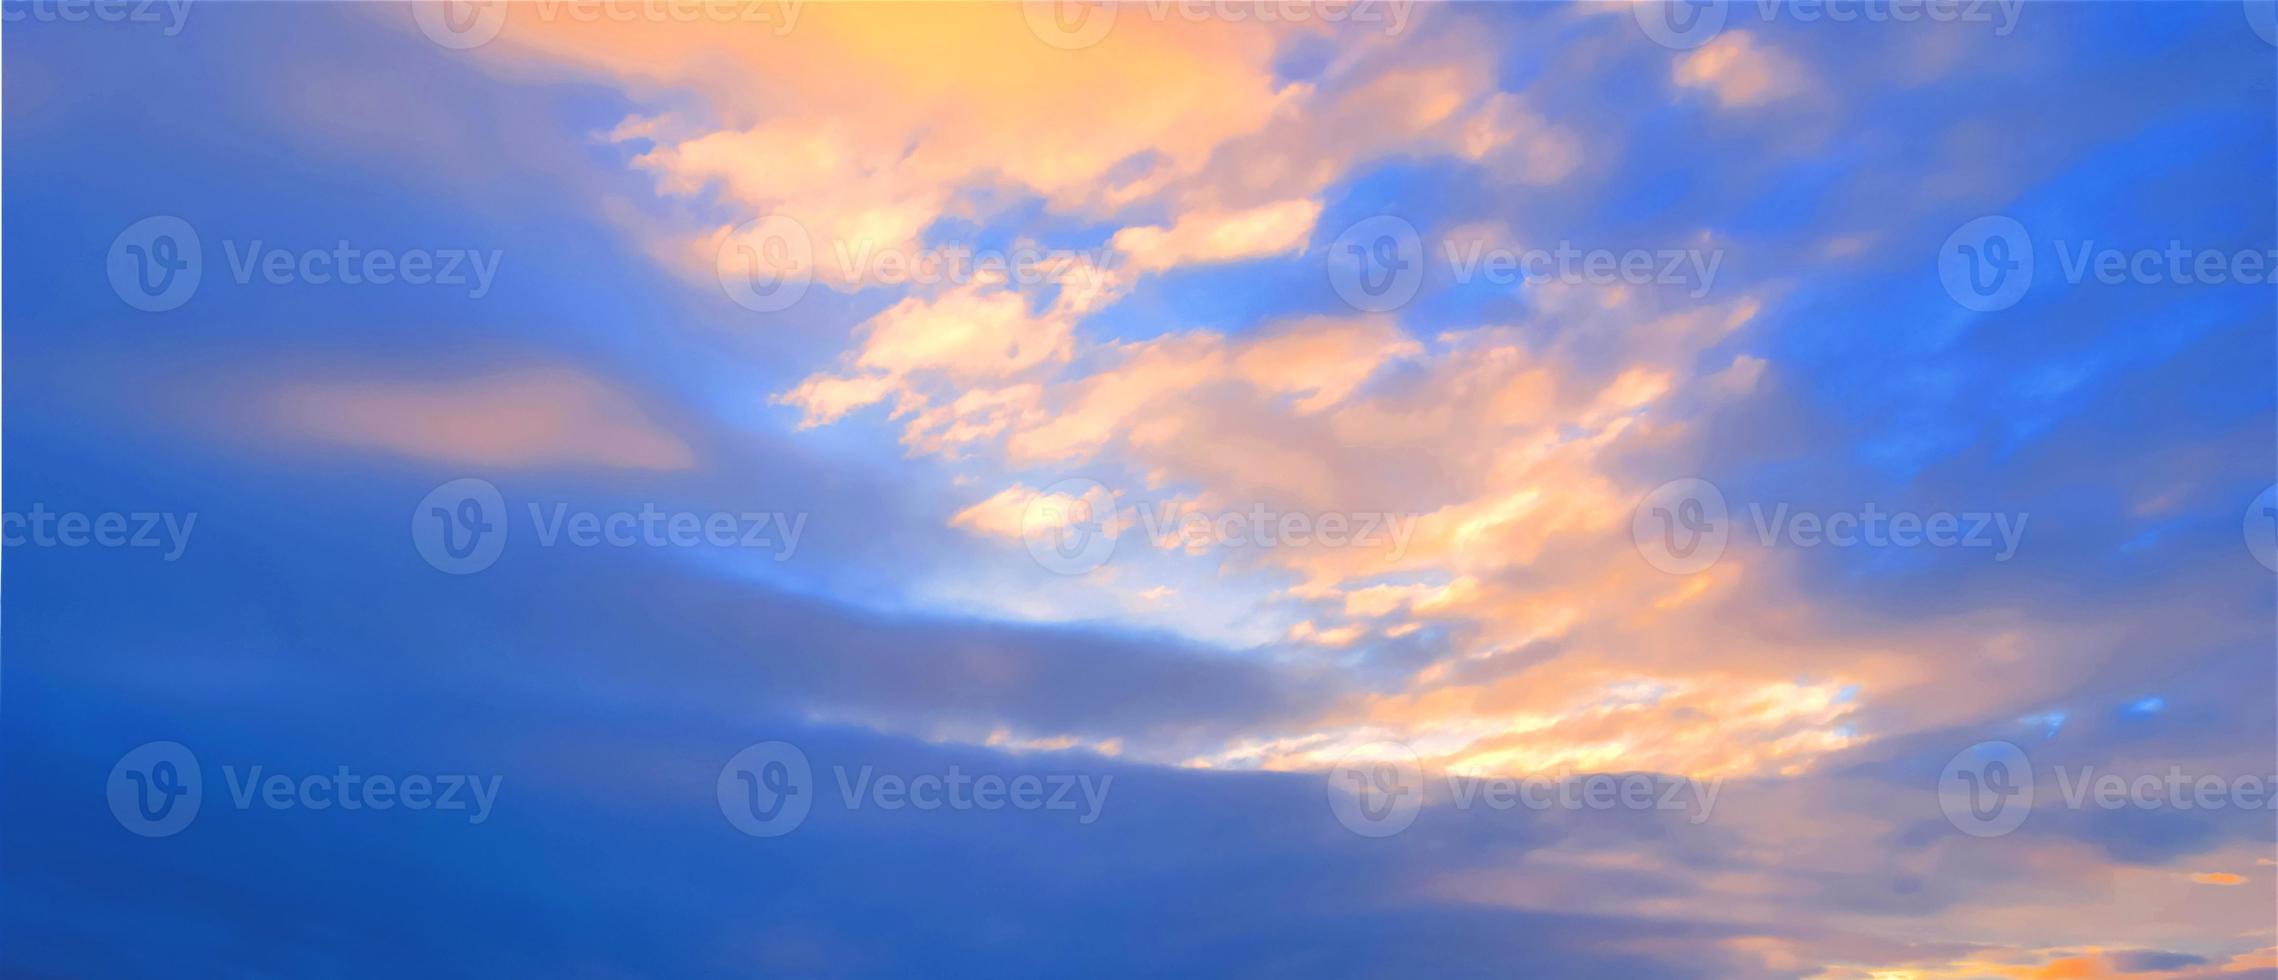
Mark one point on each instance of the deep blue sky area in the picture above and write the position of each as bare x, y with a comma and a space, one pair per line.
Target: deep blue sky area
408, 395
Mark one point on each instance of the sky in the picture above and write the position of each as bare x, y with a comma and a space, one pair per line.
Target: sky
771, 489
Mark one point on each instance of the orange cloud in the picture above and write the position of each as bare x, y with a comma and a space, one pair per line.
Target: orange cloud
1741, 72
1212, 236
526, 418
899, 108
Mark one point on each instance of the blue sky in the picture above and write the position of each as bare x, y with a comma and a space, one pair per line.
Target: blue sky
1384, 541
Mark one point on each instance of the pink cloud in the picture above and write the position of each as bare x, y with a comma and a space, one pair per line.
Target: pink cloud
525, 418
